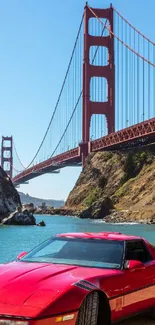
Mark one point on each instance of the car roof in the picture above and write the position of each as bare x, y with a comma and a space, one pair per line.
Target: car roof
100, 235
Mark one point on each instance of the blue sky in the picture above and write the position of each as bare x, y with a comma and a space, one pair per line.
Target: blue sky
36, 40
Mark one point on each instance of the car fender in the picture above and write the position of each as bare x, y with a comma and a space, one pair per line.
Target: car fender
70, 300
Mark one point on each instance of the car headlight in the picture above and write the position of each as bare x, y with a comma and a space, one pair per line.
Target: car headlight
12, 322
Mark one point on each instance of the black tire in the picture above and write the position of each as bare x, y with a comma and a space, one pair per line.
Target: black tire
88, 313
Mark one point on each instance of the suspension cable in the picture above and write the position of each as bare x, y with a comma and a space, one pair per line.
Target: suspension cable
58, 96
127, 46
59, 100
16, 170
98, 45
18, 155
136, 30
77, 100
67, 124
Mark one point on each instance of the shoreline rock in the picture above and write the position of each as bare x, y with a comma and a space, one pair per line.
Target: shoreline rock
20, 218
41, 223
114, 216
59, 211
98, 210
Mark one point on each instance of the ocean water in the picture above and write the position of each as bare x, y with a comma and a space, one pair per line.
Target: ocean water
15, 239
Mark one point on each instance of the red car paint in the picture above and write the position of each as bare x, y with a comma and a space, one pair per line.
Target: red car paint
40, 292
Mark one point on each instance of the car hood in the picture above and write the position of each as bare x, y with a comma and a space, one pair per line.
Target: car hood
38, 284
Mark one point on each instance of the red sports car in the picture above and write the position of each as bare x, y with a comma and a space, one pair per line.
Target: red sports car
79, 278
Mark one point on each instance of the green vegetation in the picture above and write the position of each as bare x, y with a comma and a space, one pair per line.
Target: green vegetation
93, 196
123, 190
104, 156
134, 163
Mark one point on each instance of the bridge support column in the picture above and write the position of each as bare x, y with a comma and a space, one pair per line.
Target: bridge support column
93, 107
83, 151
7, 155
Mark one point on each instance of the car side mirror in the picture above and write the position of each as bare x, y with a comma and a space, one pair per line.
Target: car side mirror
133, 264
22, 254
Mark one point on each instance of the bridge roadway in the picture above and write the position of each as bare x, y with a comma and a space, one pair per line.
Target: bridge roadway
136, 135
51, 165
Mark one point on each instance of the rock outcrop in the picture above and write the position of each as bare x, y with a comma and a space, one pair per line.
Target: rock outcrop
116, 186
9, 197
41, 223
99, 209
20, 218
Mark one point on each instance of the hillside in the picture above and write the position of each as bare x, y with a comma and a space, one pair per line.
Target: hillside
25, 198
118, 186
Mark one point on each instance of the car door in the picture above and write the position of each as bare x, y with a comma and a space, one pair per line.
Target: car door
138, 284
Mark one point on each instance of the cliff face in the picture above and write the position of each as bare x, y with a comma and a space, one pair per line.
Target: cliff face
9, 197
123, 183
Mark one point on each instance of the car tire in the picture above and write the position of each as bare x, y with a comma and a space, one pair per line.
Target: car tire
88, 313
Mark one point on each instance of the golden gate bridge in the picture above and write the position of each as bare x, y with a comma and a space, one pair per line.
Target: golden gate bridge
106, 102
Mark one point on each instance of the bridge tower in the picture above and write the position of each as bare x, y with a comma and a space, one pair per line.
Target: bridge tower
7, 154
93, 107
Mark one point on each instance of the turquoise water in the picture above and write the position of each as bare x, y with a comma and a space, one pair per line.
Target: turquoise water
15, 239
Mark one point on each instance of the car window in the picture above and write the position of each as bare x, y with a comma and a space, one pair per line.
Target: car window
136, 250
82, 252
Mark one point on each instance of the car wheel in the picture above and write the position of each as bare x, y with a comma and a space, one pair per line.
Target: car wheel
88, 313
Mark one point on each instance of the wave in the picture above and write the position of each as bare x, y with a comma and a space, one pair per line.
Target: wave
116, 223
125, 223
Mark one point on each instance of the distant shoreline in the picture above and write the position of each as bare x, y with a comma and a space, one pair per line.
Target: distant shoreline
114, 218
27, 199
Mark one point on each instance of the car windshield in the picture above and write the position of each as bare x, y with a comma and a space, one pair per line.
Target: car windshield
96, 253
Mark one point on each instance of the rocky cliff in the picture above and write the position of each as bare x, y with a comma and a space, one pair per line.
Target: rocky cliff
116, 186
9, 197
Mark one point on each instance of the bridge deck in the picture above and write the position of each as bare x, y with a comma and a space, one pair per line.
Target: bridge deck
139, 134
